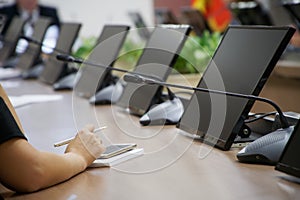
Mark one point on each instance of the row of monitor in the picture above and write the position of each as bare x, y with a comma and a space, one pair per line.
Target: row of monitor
241, 64
245, 74
30, 64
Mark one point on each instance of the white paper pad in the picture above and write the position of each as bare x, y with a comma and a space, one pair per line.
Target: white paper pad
18, 101
8, 73
9, 84
109, 162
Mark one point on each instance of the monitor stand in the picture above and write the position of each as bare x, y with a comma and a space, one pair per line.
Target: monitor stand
109, 94
167, 113
65, 83
11, 62
33, 72
266, 149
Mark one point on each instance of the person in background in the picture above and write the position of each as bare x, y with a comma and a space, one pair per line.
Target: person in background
30, 11
26, 169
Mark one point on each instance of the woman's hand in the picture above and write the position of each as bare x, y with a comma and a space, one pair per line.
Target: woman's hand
87, 145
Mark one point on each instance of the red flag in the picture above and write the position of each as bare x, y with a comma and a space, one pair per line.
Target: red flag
216, 13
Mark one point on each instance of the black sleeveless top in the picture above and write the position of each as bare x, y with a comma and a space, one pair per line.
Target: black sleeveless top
8, 126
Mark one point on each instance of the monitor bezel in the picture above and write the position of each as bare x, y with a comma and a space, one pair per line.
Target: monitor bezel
54, 69
135, 110
226, 144
106, 74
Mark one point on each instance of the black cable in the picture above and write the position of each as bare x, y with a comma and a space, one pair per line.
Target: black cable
170, 94
261, 115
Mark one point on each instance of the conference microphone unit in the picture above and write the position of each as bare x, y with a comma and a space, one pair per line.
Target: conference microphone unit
264, 150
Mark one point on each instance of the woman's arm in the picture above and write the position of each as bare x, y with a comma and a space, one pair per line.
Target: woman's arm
25, 169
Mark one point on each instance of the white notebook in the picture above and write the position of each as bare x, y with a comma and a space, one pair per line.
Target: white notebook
9, 73
18, 101
109, 162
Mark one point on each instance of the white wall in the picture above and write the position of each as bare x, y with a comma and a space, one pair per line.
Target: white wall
93, 14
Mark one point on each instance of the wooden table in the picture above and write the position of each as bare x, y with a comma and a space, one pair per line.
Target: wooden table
174, 165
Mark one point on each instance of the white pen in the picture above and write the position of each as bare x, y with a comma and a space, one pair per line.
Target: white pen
67, 141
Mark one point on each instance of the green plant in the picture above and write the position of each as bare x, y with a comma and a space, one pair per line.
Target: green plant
193, 58
196, 53
129, 54
86, 46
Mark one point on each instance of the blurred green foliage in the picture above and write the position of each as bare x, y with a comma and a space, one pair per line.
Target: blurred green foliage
193, 58
197, 52
85, 47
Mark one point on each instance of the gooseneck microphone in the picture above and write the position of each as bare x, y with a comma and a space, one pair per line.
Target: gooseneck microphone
39, 43
71, 59
139, 79
31, 40
264, 150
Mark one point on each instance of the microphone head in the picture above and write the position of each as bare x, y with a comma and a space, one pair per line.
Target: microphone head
65, 58
133, 78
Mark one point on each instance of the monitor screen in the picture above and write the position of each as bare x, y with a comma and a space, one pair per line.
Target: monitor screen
92, 78
54, 68
32, 54
289, 161
242, 63
11, 38
157, 58
250, 13
14, 30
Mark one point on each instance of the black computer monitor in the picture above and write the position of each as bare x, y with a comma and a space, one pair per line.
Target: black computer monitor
165, 16
294, 9
140, 24
55, 69
157, 59
195, 18
31, 56
289, 161
91, 79
11, 38
242, 64
250, 13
